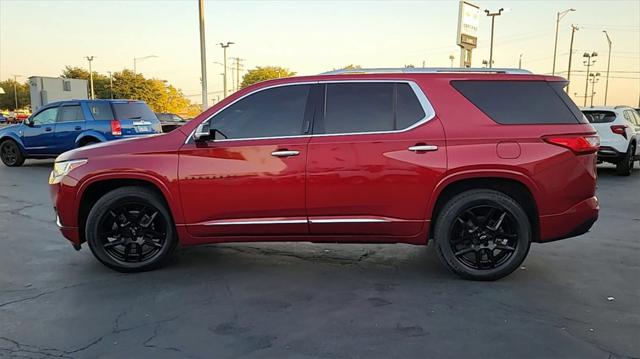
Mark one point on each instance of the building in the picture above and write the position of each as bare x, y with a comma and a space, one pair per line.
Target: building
45, 90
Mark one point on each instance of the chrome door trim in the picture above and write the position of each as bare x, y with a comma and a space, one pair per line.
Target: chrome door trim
422, 98
233, 222
348, 220
253, 222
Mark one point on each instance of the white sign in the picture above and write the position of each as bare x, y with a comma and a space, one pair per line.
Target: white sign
468, 22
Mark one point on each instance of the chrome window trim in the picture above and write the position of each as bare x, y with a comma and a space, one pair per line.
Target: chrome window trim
428, 109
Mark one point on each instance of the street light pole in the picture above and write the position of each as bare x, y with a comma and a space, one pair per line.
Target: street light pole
15, 90
520, 62
135, 60
574, 28
594, 79
559, 16
493, 21
110, 84
203, 57
606, 86
588, 62
90, 59
224, 51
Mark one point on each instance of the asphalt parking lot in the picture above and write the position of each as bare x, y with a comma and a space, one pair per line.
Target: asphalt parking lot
577, 298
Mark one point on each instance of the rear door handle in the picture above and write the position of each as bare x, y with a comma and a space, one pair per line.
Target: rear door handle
78, 128
48, 129
284, 153
423, 148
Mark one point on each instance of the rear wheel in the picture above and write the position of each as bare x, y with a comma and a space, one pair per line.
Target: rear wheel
88, 142
625, 166
482, 234
130, 230
10, 154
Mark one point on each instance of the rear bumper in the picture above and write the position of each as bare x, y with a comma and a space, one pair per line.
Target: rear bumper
606, 153
576, 221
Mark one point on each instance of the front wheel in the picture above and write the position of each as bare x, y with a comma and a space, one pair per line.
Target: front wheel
10, 154
482, 234
130, 229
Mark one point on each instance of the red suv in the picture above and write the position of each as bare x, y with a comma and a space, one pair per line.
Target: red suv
482, 162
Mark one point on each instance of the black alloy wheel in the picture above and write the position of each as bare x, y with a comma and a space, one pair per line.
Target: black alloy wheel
130, 230
482, 234
10, 154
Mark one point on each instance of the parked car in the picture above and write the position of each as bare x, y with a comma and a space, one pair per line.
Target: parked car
483, 162
3, 119
170, 121
65, 125
619, 131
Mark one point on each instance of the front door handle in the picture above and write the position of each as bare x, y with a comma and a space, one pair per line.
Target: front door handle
284, 153
78, 128
423, 148
48, 129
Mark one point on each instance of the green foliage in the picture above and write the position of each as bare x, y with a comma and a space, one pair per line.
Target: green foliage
127, 85
263, 73
8, 99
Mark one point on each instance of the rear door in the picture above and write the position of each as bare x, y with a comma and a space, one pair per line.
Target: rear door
374, 159
69, 124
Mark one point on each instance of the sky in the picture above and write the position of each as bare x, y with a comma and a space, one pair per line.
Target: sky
309, 37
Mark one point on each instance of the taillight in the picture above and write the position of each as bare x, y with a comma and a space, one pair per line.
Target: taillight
620, 130
578, 144
116, 128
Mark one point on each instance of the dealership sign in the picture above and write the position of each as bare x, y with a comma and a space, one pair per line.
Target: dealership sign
468, 21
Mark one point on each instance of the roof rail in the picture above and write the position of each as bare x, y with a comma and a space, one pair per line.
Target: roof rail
429, 70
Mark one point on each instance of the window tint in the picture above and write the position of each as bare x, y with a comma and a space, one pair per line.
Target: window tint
70, 113
600, 116
636, 115
133, 111
101, 111
269, 113
408, 108
46, 117
521, 102
358, 107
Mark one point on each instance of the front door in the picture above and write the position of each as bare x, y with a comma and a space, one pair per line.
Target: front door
69, 125
38, 136
250, 180
374, 160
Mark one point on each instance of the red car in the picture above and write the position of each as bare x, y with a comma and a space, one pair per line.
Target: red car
483, 162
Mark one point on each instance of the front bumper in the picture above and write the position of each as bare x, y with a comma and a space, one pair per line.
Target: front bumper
63, 199
576, 221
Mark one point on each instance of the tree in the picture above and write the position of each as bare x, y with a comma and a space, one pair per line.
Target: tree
263, 73
8, 99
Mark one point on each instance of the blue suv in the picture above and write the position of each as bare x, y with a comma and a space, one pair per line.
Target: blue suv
65, 125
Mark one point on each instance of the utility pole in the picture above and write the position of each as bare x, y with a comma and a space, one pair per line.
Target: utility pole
606, 86
520, 62
238, 67
224, 52
15, 90
203, 57
559, 16
588, 63
110, 84
90, 59
451, 58
493, 21
594, 79
574, 28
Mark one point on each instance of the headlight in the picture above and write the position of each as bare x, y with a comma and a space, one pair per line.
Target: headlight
61, 169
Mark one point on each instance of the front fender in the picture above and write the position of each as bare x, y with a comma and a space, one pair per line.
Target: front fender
90, 133
14, 136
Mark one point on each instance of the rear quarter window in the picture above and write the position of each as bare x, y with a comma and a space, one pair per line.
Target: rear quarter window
521, 102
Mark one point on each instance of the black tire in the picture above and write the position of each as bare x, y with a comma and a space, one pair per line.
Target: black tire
507, 244
10, 154
88, 142
625, 166
115, 252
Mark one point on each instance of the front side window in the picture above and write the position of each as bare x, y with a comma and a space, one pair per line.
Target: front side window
71, 114
46, 117
272, 112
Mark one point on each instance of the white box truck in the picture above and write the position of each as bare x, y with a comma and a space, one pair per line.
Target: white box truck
45, 90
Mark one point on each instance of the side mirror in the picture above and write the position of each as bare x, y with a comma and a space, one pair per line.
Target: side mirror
203, 133
27, 121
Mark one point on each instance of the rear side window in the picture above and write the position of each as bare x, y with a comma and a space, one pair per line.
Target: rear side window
70, 114
101, 111
133, 111
600, 116
521, 102
353, 107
